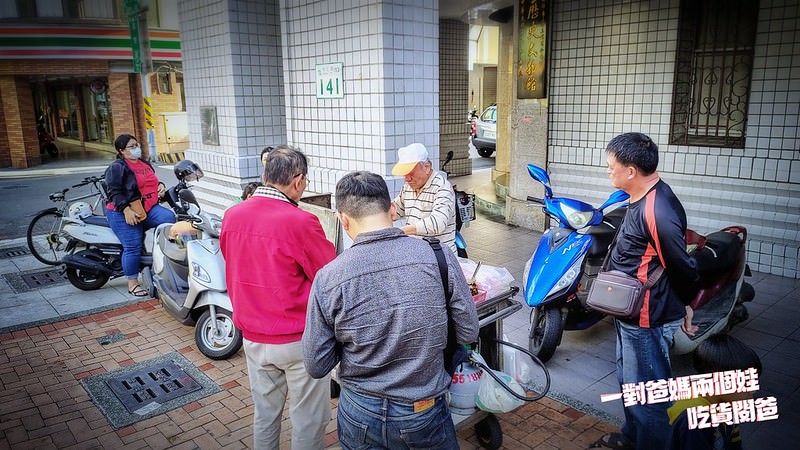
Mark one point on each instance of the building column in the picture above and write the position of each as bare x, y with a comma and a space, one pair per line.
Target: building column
506, 80
20, 122
453, 95
527, 127
233, 81
390, 60
122, 111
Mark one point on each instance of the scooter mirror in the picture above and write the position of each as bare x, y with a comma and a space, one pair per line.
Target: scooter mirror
188, 196
540, 175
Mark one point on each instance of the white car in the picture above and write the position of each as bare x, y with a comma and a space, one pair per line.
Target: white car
486, 133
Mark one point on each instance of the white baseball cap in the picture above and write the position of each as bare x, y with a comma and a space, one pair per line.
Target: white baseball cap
408, 157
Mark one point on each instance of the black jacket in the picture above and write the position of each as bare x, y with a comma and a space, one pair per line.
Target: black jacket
122, 185
654, 234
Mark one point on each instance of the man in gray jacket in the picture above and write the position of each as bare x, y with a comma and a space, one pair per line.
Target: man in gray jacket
379, 311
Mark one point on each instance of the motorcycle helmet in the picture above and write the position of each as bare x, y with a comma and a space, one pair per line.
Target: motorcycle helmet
80, 210
187, 170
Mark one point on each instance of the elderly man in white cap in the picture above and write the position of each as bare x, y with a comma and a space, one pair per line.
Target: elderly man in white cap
427, 200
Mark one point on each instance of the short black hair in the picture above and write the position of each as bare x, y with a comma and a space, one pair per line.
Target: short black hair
122, 141
266, 150
249, 188
721, 352
360, 194
283, 164
635, 149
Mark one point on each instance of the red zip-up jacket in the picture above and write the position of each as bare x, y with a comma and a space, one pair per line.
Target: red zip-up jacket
272, 250
654, 234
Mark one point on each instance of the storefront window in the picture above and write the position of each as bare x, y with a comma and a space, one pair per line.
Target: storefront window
97, 111
67, 107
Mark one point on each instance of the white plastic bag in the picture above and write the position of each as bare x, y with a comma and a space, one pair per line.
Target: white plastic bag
494, 280
494, 398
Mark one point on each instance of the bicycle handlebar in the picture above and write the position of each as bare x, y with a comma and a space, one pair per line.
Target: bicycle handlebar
90, 180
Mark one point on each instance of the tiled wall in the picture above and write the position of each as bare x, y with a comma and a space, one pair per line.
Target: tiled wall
389, 52
453, 93
612, 72
232, 61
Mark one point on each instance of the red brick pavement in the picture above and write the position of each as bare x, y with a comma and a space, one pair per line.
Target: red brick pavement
43, 406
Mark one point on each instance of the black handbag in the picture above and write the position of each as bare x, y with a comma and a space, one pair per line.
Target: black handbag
454, 353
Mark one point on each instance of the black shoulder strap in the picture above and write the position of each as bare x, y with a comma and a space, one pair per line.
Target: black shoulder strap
437, 249
656, 273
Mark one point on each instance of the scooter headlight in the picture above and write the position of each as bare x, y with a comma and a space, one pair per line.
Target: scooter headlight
200, 274
577, 219
567, 279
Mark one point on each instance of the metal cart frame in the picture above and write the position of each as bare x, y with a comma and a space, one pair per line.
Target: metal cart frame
491, 313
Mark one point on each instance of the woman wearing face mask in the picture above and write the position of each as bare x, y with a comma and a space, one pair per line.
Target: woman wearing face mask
134, 193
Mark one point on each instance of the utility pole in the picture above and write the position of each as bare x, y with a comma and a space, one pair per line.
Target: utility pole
142, 64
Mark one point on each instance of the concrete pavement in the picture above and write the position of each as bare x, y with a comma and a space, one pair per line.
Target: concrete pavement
48, 333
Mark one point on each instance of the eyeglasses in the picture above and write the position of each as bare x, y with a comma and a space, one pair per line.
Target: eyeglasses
305, 175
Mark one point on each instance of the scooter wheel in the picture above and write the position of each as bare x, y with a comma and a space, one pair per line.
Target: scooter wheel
51, 150
222, 345
545, 334
86, 281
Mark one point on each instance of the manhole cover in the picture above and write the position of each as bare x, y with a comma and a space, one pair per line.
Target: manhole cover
13, 252
44, 278
147, 389
153, 385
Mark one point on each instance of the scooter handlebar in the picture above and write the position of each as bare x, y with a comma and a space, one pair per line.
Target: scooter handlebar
535, 200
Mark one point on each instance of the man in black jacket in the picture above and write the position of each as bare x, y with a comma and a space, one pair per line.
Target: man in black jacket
652, 235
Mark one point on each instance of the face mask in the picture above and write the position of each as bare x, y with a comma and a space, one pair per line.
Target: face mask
136, 152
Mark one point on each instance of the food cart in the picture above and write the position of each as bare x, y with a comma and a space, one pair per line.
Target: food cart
491, 312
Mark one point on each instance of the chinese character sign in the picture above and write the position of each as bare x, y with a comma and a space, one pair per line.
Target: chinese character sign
532, 44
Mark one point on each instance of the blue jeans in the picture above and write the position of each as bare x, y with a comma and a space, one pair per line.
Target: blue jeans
131, 236
643, 355
367, 422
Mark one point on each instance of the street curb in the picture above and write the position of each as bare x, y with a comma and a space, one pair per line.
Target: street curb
74, 315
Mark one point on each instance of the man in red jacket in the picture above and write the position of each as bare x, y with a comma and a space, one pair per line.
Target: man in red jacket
273, 250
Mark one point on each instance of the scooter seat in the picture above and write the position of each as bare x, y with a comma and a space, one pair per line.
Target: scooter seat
720, 253
96, 220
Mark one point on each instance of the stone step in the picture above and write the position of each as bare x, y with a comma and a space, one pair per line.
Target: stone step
488, 203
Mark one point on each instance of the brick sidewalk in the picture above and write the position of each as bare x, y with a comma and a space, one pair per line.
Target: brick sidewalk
42, 404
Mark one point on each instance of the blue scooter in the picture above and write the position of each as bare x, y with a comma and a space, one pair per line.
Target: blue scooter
565, 263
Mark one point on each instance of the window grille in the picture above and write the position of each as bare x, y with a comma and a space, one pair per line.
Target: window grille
712, 72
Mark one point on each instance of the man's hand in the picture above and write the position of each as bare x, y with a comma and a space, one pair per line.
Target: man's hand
687, 326
409, 230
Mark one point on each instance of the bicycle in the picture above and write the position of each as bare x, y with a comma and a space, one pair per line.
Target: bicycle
46, 239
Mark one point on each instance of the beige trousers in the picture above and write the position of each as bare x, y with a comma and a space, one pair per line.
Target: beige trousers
275, 370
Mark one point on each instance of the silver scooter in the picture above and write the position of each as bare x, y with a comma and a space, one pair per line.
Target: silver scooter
188, 277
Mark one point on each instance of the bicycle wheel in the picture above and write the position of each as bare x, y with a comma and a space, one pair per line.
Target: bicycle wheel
46, 239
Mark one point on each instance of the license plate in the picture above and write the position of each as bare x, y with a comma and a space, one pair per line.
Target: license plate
488, 134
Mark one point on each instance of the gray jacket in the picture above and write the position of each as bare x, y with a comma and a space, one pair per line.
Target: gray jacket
379, 310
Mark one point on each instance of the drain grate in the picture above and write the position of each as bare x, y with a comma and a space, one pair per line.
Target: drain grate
147, 389
152, 386
44, 278
13, 252
34, 279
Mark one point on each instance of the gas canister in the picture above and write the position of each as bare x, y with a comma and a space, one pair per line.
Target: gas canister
466, 380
